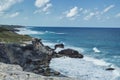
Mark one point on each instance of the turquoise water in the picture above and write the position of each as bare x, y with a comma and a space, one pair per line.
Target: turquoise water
100, 47
106, 40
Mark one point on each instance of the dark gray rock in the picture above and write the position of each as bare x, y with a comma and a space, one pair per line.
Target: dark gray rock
71, 53
109, 69
59, 46
32, 57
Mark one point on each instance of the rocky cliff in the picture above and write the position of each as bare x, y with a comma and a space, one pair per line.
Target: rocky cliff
29, 61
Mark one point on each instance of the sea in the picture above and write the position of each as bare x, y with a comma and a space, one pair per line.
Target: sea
100, 47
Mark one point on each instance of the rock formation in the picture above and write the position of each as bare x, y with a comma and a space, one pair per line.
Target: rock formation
71, 53
34, 57
59, 46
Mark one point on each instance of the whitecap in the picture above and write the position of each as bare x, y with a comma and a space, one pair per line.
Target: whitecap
96, 50
79, 68
96, 61
81, 50
51, 32
58, 50
25, 31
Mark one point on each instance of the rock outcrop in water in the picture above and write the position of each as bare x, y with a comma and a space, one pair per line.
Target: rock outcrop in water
59, 46
70, 53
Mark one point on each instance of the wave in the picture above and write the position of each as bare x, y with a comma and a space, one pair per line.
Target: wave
80, 68
52, 44
25, 31
51, 32
85, 68
28, 31
97, 61
96, 50
81, 50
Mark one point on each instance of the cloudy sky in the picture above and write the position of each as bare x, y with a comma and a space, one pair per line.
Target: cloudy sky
64, 13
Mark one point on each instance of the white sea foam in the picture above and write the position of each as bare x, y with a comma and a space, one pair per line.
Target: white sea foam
96, 61
81, 50
82, 69
59, 49
51, 44
96, 50
51, 32
26, 31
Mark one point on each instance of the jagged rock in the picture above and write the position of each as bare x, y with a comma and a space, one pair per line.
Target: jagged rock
71, 53
15, 72
27, 57
59, 46
38, 46
33, 57
56, 73
110, 69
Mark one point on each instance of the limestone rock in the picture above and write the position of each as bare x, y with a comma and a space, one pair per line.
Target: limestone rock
71, 53
15, 72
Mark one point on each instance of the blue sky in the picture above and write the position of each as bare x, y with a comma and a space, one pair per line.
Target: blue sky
64, 13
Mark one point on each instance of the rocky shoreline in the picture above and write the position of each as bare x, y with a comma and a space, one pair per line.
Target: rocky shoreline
15, 72
33, 57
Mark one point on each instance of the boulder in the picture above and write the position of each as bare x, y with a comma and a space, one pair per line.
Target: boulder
71, 53
59, 46
110, 69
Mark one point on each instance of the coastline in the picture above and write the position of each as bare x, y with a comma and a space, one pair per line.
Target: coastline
33, 57
98, 64
89, 62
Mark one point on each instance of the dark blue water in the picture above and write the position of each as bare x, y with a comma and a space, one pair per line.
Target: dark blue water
106, 40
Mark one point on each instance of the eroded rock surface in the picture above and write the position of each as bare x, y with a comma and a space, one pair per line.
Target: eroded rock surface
15, 72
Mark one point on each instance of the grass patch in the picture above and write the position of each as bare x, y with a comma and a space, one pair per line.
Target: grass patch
9, 36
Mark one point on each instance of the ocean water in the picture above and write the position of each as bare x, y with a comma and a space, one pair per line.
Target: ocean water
100, 46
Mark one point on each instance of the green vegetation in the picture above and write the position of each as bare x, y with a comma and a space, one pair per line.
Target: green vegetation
9, 36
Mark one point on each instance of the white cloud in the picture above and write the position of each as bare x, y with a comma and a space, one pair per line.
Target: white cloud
6, 4
81, 9
89, 16
10, 15
85, 11
43, 6
45, 9
14, 15
117, 15
108, 8
41, 3
72, 13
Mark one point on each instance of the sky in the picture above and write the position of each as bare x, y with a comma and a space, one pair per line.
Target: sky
62, 13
